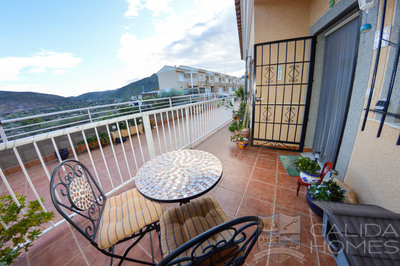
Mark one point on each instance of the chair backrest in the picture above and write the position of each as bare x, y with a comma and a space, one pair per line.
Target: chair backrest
325, 170
74, 190
234, 251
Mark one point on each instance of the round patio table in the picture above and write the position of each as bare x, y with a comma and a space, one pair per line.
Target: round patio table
178, 176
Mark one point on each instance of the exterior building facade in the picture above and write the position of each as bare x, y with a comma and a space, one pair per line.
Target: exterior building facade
194, 80
327, 87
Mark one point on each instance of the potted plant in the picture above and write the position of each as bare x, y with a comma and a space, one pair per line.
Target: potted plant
308, 169
63, 153
126, 130
326, 191
241, 142
93, 142
18, 231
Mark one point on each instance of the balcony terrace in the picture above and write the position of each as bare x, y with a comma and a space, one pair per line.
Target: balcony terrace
254, 182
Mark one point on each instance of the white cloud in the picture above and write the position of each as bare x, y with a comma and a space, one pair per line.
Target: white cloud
204, 36
155, 6
11, 68
134, 7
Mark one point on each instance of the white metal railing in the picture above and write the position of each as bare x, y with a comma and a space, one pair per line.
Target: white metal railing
11, 129
113, 165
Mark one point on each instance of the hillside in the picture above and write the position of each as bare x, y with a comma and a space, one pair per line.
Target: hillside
26, 103
124, 93
11, 101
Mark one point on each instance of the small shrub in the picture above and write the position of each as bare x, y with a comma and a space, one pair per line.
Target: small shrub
16, 229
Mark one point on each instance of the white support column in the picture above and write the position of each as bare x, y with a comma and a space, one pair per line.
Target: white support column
149, 136
188, 126
2, 133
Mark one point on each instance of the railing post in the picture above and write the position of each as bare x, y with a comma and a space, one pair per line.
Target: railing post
170, 102
2, 133
190, 98
149, 135
187, 113
90, 116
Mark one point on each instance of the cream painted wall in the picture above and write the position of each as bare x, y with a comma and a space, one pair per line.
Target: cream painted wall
317, 9
277, 20
374, 168
168, 80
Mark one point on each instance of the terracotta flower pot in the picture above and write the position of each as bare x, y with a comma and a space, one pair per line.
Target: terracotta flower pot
245, 132
242, 144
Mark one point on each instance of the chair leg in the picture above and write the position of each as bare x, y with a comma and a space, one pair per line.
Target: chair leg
112, 251
298, 187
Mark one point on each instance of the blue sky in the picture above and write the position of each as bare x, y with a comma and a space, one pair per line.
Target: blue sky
72, 47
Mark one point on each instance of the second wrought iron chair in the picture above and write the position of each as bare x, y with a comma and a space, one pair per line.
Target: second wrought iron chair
199, 233
105, 222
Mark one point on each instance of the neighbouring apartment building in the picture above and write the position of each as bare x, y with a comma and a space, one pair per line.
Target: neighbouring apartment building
323, 83
195, 80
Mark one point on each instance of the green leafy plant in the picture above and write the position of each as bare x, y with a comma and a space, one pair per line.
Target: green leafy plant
104, 137
326, 191
227, 104
307, 165
240, 93
235, 126
92, 140
16, 229
237, 137
122, 125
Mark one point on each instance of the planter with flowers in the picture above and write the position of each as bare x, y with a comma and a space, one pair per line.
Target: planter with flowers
241, 142
308, 170
126, 131
326, 191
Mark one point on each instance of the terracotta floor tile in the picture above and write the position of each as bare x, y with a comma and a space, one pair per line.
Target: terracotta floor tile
304, 256
287, 198
77, 261
250, 151
264, 175
228, 200
291, 153
326, 259
269, 155
268, 150
251, 206
248, 160
241, 169
287, 181
266, 164
234, 182
64, 249
261, 191
306, 228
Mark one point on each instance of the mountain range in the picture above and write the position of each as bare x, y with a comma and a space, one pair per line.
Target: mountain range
33, 102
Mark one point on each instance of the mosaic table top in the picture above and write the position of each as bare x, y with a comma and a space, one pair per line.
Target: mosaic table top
179, 175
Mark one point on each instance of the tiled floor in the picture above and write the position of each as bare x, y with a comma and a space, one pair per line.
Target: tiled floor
254, 182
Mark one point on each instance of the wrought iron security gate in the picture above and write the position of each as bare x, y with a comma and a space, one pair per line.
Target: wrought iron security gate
283, 74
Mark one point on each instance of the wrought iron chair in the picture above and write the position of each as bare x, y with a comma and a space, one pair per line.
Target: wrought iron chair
199, 233
106, 222
325, 170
